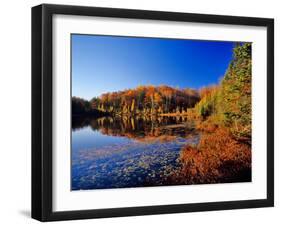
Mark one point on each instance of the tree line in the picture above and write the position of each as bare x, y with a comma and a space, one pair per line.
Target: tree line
83, 107
143, 100
229, 103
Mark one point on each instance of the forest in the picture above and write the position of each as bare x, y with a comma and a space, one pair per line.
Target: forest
143, 100
229, 103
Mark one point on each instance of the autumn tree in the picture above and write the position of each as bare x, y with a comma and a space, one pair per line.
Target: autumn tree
230, 101
145, 100
236, 92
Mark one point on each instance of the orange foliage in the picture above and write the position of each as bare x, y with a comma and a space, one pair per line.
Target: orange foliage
208, 90
209, 125
147, 100
218, 158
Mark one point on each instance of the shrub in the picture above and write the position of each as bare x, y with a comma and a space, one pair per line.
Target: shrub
218, 158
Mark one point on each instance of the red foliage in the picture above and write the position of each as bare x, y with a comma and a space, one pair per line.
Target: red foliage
218, 158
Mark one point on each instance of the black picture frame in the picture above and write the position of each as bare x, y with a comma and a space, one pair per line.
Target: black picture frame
42, 111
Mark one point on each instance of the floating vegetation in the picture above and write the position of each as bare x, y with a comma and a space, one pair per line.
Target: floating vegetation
143, 161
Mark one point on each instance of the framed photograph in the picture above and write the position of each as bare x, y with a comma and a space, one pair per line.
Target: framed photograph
145, 112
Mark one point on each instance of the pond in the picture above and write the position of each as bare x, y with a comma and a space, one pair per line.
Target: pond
122, 152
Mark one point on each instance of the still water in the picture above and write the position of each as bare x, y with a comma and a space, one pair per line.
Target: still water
127, 152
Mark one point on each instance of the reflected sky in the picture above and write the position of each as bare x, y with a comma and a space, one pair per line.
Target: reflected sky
108, 153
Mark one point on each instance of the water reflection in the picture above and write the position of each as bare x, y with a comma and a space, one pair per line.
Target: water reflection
137, 127
127, 152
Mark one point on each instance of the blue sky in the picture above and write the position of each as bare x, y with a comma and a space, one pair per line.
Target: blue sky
110, 63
